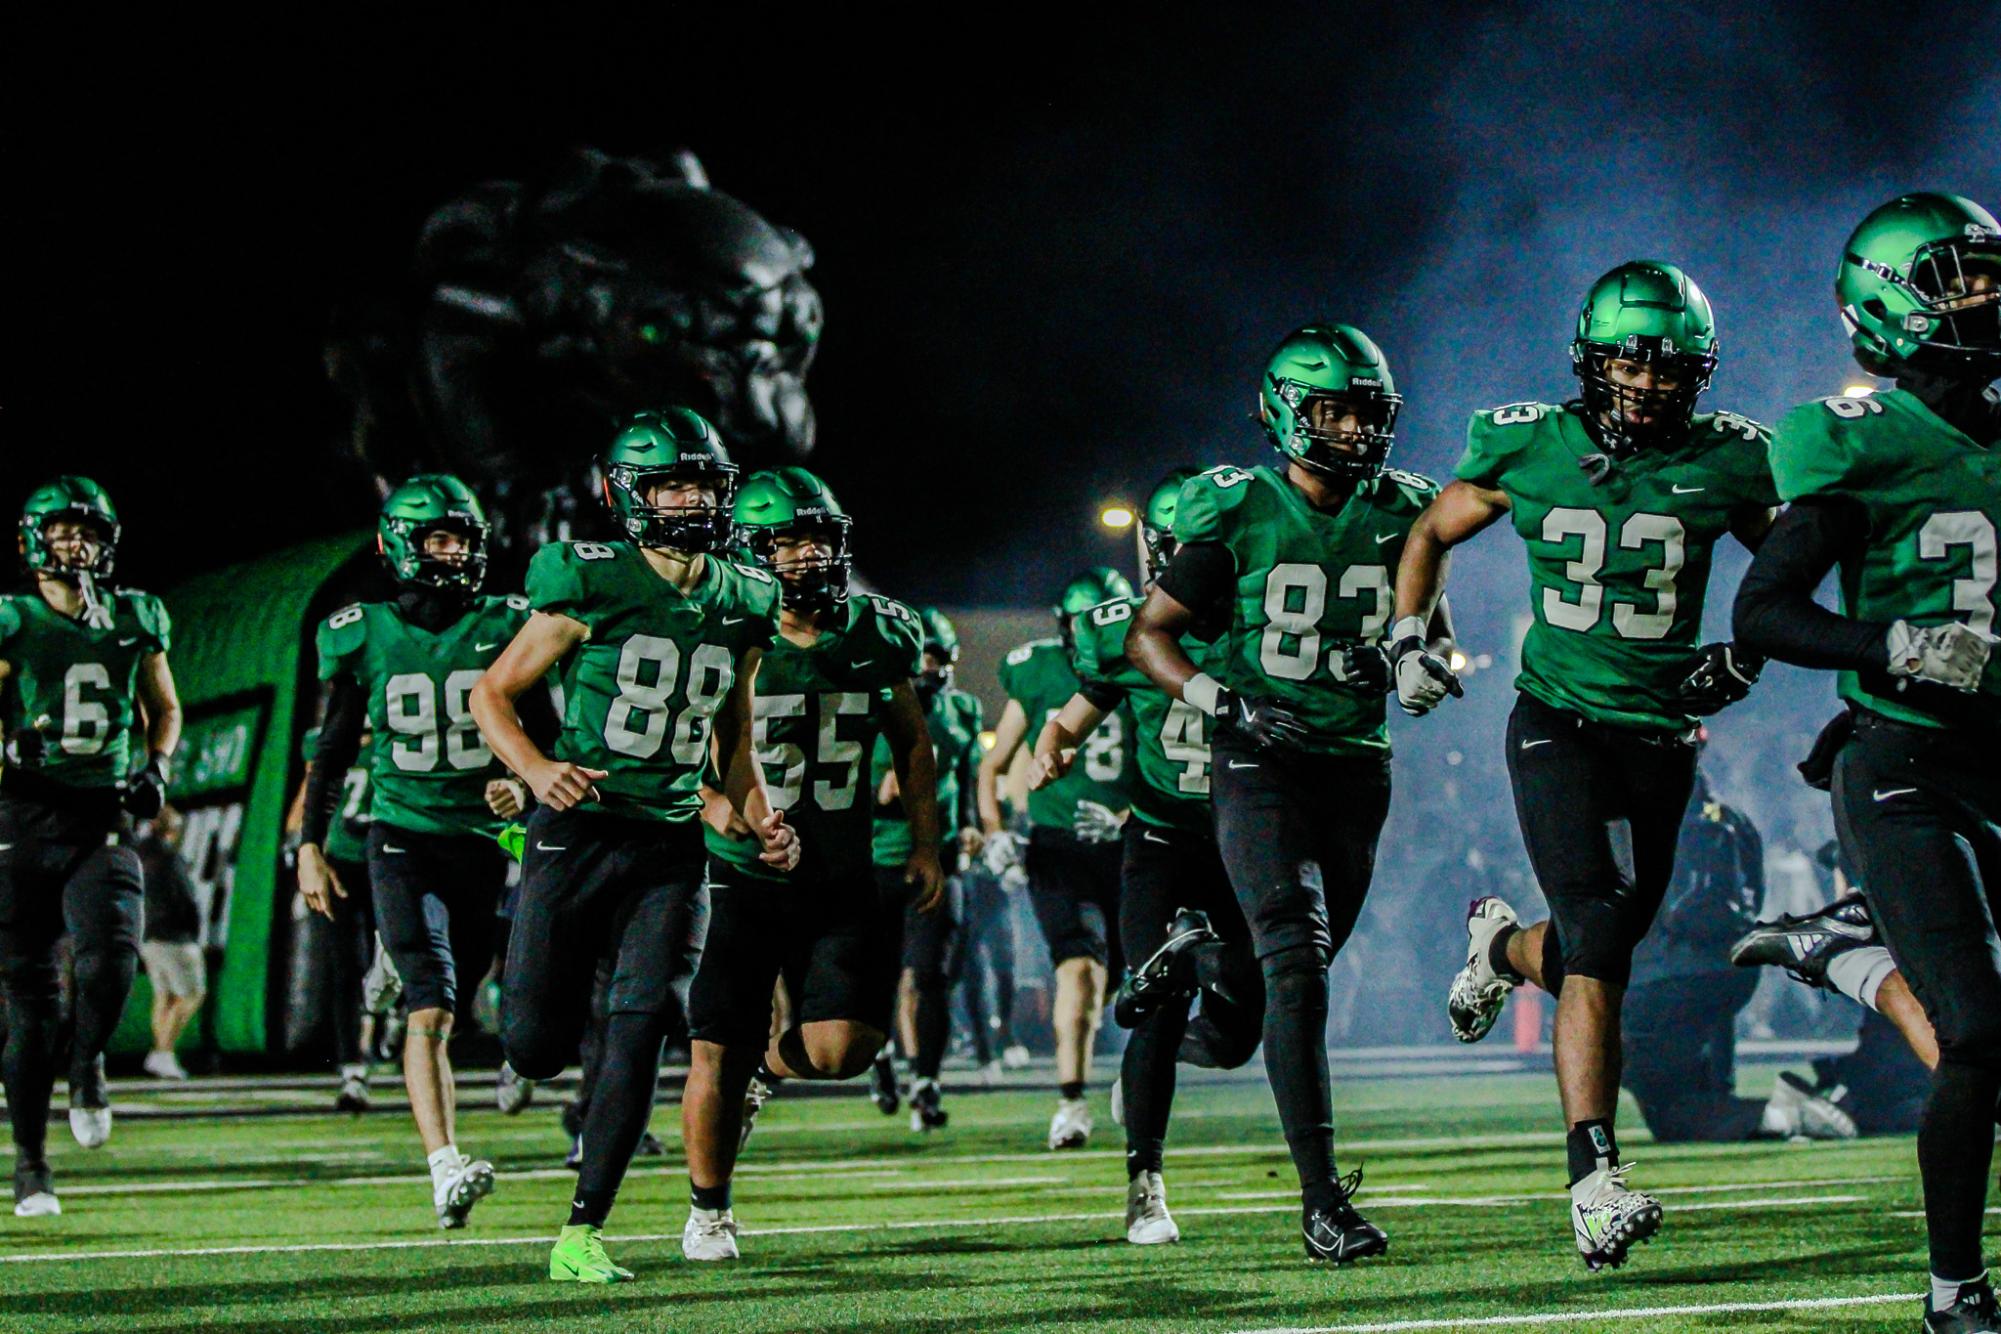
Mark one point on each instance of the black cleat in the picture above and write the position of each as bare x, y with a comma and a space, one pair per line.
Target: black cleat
927, 1112
1804, 944
575, 1160
649, 1146
882, 1084
1340, 1234
1163, 976
1974, 1313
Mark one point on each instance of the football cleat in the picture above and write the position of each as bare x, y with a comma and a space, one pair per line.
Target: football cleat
1799, 1110
1478, 991
1805, 943
1340, 1234
927, 1112
512, 1093
463, 1187
1163, 976
754, 1097
1609, 1219
381, 985
710, 1234
34, 1190
1973, 1312
574, 1159
164, 1065
649, 1146
1147, 1221
1015, 1056
89, 1105
1070, 1127
882, 1083
353, 1095
992, 1073
579, 1257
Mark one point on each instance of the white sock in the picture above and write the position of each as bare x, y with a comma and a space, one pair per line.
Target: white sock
1945, 1291
443, 1162
1858, 974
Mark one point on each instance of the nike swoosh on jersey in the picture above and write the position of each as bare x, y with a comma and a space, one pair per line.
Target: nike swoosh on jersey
1235, 765
1881, 795
732, 620
544, 847
1388, 537
127, 643
1687, 490
387, 848
1531, 745
481, 648
1151, 837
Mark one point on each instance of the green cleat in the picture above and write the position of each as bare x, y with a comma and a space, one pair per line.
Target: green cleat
579, 1257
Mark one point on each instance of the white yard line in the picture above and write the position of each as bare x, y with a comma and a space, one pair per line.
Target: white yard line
1581, 1317
1370, 1191
893, 1225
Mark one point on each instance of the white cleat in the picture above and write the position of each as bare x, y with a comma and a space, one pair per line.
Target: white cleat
164, 1065
1796, 1110
1071, 1126
710, 1234
1015, 1057
34, 1191
463, 1187
754, 1098
42, 1204
1609, 1219
512, 1093
1147, 1221
1478, 992
90, 1125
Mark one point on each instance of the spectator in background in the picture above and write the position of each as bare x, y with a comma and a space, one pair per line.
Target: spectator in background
171, 948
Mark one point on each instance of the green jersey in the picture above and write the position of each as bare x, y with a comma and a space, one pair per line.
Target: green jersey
347, 836
1309, 583
955, 720
71, 710
1618, 566
1933, 498
1038, 676
819, 715
1173, 748
640, 692
428, 766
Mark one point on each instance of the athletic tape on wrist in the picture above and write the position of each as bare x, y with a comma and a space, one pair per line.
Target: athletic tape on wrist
1200, 691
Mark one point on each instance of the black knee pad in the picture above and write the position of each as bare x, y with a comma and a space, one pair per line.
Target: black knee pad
1296, 977
1591, 936
535, 1049
1972, 1041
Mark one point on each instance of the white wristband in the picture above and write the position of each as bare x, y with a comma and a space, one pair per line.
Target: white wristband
1410, 627
1200, 691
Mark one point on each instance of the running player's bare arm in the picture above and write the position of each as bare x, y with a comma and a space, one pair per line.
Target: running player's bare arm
1009, 733
743, 776
541, 644
1056, 748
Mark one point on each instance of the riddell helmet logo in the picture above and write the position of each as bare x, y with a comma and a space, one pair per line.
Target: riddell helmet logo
1365, 382
1980, 231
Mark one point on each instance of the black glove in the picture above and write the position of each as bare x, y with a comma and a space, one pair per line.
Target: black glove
146, 791
1265, 723
1723, 675
1367, 667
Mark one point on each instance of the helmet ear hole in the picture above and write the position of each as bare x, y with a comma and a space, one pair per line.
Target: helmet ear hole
1874, 305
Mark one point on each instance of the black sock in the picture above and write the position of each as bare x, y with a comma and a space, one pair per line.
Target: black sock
1070, 1090
622, 1104
1295, 1031
1591, 1146
765, 1076
1497, 954
1955, 1148
709, 1197
934, 1029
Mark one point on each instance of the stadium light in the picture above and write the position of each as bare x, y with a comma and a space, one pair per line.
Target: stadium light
1116, 515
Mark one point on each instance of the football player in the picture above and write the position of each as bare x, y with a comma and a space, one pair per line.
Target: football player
1177, 915
91, 722
839, 675
1902, 491
659, 641
1621, 495
401, 671
1072, 858
933, 942
1295, 564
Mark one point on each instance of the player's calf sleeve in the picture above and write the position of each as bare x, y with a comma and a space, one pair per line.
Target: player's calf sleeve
934, 1029
104, 971
619, 1109
1296, 1063
1146, 1074
1955, 1150
28, 1065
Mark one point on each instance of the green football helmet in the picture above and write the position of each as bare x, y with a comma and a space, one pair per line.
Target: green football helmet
940, 642
792, 502
1920, 286
1156, 522
670, 444
1320, 374
421, 506
77, 500
1652, 314
1100, 583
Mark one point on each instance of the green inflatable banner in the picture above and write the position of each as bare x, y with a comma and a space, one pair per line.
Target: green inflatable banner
239, 637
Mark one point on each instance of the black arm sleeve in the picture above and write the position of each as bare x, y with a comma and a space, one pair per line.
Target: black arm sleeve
340, 743
1103, 695
1203, 578
1776, 615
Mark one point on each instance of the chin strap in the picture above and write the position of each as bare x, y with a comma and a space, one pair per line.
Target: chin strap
96, 614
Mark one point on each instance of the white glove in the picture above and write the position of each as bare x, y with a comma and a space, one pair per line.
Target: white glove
1422, 677
1951, 655
1002, 852
1097, 822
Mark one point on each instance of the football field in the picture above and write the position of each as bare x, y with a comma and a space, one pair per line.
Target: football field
851, 1223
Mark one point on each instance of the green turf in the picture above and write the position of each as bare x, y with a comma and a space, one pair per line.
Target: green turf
973, 1229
